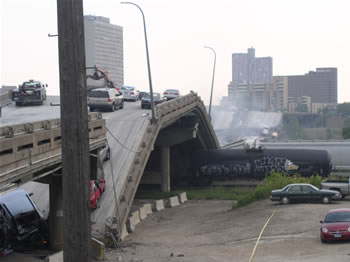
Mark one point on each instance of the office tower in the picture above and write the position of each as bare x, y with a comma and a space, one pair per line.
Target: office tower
104, 49
248, 69
321, 85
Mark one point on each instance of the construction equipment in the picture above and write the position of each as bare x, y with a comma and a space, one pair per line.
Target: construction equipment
101, 74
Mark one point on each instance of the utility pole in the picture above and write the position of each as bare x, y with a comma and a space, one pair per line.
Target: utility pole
74, 131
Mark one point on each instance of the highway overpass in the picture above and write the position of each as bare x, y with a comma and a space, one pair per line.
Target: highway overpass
142, 152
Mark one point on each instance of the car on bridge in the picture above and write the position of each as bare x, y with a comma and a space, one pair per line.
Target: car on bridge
105, 98
303, 193
97, 187
30, 92
171, 94
130, 93
146, 100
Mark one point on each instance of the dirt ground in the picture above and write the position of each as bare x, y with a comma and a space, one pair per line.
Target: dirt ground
208, 230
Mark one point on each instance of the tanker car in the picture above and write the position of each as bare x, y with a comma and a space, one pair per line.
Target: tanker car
229, 164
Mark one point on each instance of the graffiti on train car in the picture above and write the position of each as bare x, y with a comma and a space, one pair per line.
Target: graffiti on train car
226, 169
258, 168
267, 164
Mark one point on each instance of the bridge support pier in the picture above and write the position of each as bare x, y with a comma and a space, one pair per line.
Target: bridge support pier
56, 213
165, 168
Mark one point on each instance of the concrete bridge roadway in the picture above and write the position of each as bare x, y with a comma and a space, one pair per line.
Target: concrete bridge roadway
141, 153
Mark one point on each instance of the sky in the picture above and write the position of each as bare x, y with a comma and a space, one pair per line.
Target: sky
299, 35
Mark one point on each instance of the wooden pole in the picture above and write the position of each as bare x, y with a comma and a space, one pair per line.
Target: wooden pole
74, 131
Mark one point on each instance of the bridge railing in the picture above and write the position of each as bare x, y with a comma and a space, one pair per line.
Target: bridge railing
5, 99
28, 148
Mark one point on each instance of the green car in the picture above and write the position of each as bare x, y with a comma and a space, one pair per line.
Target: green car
303, 193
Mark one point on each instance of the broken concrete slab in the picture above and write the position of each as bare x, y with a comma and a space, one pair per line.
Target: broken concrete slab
124, 233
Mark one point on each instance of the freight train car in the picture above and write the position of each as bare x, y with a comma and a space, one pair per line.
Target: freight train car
224, 164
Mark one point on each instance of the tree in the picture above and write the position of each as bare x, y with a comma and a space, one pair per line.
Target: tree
343, 110
346, 133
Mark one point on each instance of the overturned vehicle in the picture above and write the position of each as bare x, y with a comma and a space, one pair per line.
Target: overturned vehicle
229, 164
21, 222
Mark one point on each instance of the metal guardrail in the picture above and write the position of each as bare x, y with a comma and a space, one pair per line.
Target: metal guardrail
28, 148
167, 111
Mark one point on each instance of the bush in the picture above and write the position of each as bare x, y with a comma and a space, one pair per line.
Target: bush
273, 181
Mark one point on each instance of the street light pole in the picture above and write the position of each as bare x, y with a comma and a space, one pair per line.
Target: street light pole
154, 120
212, 81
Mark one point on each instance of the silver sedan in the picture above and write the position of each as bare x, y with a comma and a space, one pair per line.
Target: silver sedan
130, 93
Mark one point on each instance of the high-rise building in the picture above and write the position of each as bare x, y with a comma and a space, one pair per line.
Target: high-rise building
321, 85
248, 69
104, 49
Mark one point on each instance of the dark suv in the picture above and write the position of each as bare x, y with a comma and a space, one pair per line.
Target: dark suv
20, 220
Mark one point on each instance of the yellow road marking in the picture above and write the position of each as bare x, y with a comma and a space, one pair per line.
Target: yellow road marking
257, 241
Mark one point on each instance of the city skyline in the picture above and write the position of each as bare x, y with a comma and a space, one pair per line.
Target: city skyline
177, 32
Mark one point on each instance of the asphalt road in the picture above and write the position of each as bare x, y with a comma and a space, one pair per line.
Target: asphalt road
12, 114
209, 231
127, 127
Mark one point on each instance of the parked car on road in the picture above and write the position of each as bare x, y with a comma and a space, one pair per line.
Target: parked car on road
342, 186
146, 100
21, 221
142, 94
97, 187
30, 92
303, 193
171, 94
105, 153
105, 98
336, 225
130, 93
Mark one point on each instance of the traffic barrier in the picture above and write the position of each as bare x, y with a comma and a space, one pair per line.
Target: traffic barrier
158, 205
133, 220
143, 213
148, 208
173, 201
182, 197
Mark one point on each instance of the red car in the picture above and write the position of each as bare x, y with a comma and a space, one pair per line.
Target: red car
97, 187
336, 225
